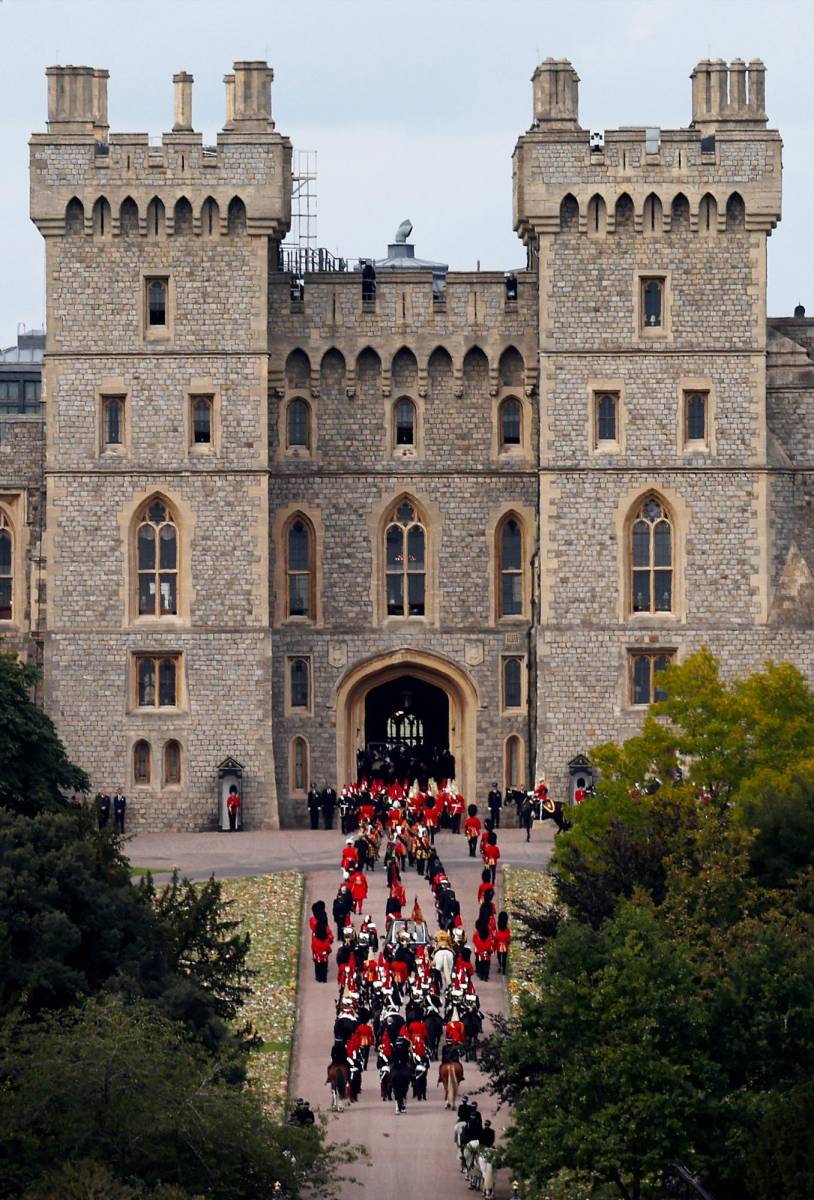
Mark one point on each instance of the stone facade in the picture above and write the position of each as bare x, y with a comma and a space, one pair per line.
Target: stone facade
677, 219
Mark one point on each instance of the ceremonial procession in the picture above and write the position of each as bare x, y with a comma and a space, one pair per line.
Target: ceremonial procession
410, 956
406, 601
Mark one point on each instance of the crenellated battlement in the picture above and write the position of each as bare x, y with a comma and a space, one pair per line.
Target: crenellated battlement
726, 154
79, 170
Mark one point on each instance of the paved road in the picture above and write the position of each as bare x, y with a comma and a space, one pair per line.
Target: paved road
199, 855
412, 1155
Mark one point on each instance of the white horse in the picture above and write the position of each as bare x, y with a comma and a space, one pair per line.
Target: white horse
443, 960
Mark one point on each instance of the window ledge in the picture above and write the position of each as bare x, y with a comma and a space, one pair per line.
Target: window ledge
696, 447
654, 620
166, 710
169, 621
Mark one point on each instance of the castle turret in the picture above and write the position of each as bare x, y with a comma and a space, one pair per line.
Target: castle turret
156, 376
731, 96
555, 95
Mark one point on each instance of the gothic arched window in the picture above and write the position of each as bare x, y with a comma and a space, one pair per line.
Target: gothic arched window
300, 568
510, 567
299, 765
651, 557
141, 762
202, 420
513, 773
6, 568
298, 424
511, 423
512, 683
405, 559
404, 421
157, 560
157, 303
172, 762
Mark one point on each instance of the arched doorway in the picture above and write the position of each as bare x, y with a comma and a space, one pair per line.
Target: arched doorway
441, 699
406, 733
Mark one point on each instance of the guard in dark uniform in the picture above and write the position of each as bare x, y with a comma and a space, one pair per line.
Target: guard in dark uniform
313, 806
495, 802
328, 802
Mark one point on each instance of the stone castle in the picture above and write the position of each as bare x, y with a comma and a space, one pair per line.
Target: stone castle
283, 511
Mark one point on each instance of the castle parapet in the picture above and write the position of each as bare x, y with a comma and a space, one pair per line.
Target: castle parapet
77, 166
726, 156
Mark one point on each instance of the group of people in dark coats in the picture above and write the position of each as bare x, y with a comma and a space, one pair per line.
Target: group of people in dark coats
321, 802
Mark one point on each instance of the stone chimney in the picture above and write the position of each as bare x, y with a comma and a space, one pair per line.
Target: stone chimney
252, 97
721, 97
556, 95
229, 80
183, 102
77, 100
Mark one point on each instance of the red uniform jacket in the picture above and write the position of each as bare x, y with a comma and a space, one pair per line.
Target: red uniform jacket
358, 886
503, 939
455, 1032
350, 858
472, 827
491, 854
483, 946
320, 949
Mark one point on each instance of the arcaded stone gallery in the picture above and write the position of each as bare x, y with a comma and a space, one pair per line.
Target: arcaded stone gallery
294, 512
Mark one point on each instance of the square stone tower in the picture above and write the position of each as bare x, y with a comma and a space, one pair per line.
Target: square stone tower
157, 651
654, 483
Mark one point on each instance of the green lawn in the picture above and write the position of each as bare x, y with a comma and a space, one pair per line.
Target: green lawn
135, 871
522, 886
270, 908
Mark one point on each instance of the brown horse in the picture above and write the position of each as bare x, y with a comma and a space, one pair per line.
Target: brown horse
450, 1075
338, 1080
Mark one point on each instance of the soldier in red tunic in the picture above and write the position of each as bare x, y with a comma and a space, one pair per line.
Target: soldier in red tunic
503, 938
321, 940
472, 828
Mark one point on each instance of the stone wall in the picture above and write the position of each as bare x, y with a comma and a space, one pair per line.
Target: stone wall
200, 220
22, 491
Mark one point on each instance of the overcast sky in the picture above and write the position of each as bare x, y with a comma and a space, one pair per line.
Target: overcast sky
413, 106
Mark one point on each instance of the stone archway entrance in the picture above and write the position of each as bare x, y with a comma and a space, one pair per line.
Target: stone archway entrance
439, 694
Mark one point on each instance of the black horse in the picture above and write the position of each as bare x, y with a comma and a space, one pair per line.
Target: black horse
548, 810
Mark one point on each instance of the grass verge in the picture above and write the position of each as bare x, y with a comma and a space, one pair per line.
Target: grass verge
522, 887
270, 909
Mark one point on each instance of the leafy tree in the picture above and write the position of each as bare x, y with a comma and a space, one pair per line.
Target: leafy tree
72, 924
35, 772
673, 1008
89, 1180
606, 1068
120, 1085
781, 1155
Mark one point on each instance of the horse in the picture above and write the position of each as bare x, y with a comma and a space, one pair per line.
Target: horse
544, 810
435, 1027
443, 962
338, 1080
383, 1067
400, 1076
472, 1022
450, 1075
421, 1067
